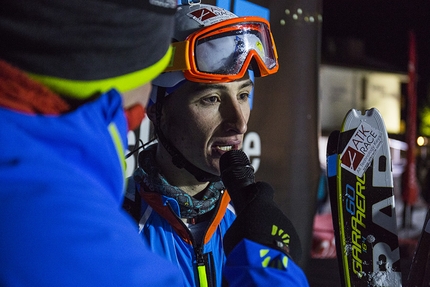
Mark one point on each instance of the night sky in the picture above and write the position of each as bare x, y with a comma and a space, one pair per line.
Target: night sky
383, 27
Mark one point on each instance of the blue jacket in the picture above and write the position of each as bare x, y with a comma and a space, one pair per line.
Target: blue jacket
201, 262
61, 189
253, 264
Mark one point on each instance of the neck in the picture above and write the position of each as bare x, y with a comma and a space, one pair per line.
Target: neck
177, 176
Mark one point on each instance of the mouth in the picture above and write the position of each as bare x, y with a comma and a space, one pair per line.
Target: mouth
225, 147
222, 148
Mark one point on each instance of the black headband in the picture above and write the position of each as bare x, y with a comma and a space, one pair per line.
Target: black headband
85, 39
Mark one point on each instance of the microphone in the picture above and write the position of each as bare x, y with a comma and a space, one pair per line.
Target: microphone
235, 166
258, 217
237, 173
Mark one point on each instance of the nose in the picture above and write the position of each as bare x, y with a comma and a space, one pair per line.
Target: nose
236, 116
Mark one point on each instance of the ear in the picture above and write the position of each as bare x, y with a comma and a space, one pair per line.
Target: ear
150, 112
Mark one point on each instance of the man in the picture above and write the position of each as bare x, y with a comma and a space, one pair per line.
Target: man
200, 112
63, 131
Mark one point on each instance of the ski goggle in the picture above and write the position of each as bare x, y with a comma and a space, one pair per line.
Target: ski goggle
223, 52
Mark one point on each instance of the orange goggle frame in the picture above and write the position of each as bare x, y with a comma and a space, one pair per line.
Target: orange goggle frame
249, 39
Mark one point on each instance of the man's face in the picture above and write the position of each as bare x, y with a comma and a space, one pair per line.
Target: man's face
204, 121
139, 96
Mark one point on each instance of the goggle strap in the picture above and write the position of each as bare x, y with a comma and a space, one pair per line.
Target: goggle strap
179, 60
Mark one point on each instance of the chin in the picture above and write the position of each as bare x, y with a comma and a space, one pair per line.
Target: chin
214, 168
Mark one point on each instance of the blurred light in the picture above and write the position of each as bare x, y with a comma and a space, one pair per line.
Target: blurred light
301, 15
421, 141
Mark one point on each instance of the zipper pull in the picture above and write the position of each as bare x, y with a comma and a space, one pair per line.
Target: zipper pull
201, 268
200, 257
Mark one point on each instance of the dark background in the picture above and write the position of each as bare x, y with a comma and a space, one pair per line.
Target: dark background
382, 27
375, 34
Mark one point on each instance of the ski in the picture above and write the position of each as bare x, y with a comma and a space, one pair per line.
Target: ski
332, 159
421, 256
362, 201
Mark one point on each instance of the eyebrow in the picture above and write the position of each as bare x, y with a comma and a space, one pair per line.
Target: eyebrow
203, 86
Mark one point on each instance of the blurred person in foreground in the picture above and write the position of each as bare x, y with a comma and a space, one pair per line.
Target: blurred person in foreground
74, 78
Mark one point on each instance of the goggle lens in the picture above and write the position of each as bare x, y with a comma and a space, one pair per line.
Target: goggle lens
225, 53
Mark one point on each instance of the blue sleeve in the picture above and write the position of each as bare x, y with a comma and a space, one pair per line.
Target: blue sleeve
61, 221
50, 239
253, 264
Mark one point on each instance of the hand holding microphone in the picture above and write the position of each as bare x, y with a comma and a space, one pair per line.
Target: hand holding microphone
258, 217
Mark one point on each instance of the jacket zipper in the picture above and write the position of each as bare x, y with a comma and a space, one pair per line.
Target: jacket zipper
202, 262
198, 252
202, 267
